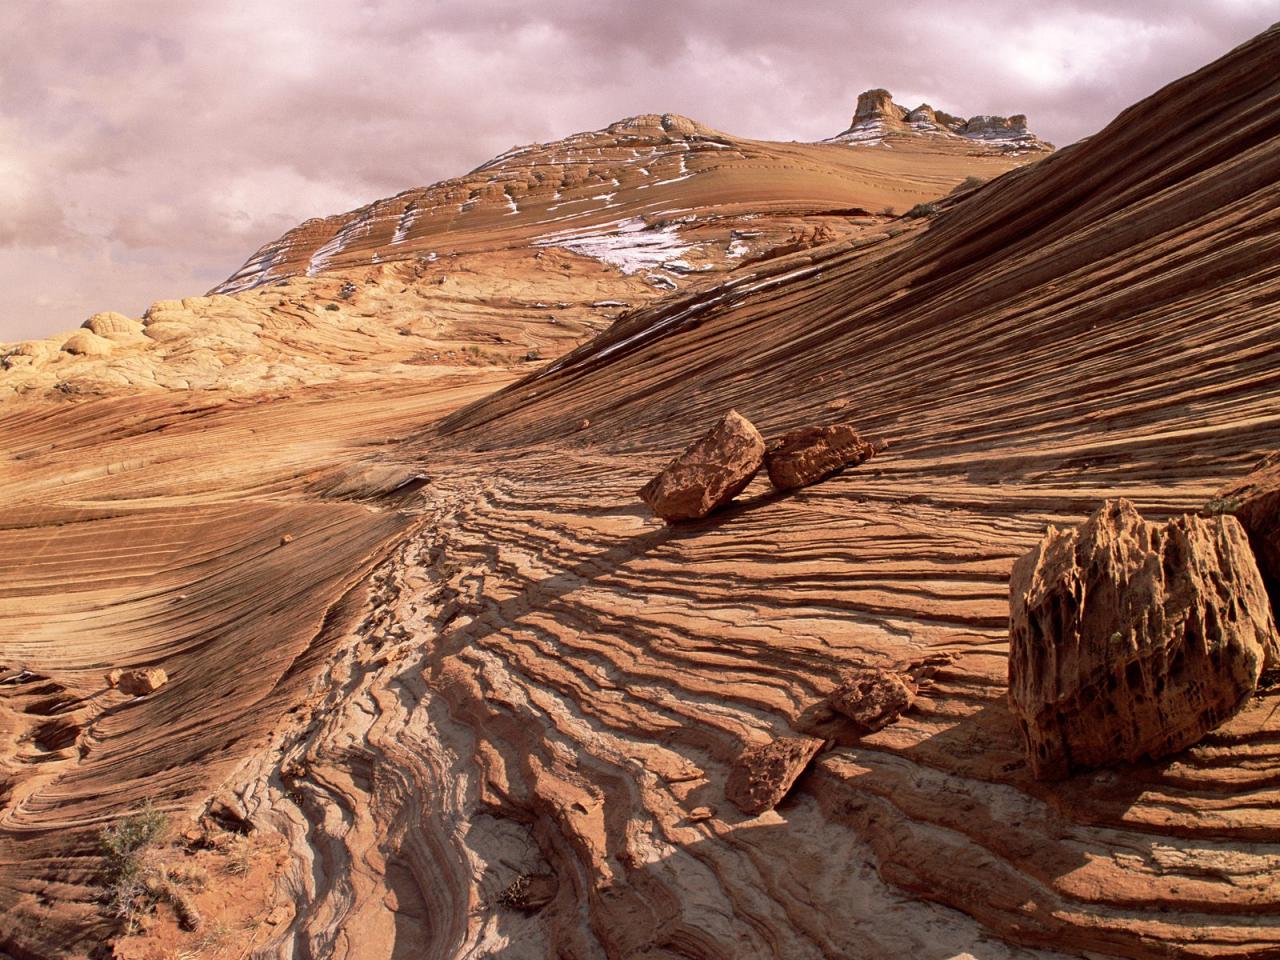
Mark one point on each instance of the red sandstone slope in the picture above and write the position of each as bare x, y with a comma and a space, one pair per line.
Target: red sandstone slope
537, 682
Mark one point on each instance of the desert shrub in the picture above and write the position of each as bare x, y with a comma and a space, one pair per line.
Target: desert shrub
922, 210
1220, 505
239, 857
124, 845
969, 183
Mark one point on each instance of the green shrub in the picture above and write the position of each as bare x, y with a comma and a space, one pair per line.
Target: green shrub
124, 845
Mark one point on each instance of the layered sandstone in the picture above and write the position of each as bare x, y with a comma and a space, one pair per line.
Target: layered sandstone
506, 669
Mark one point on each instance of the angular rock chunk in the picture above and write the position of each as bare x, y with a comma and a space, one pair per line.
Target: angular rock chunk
1255, 502
1131, 639
712, 471
810, 454
873, 697
763, 774
138, 683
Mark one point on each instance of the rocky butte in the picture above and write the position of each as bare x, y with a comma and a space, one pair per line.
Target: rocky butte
331, 624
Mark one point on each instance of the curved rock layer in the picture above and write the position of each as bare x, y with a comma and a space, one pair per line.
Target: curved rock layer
494, 707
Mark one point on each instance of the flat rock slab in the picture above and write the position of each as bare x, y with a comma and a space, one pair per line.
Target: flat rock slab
763, 774
1131, 639
811, 454
709, 473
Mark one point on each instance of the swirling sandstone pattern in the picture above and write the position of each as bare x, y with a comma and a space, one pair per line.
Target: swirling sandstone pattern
505, 685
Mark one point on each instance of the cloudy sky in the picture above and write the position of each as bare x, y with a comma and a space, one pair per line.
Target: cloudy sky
147, 147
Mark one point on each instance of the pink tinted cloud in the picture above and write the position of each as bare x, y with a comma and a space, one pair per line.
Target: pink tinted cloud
148, 146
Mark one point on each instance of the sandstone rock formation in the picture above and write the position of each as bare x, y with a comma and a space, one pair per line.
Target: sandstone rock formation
1255, 502
763, 774
876, 105
710, 472
877, 117
508, 673
1131, 639
810, 454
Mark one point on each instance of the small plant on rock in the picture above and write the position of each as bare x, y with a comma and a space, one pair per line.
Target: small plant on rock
137, 880
1221, 505
125, 844
922, 210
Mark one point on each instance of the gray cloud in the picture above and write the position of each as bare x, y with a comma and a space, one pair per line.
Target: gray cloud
148, 146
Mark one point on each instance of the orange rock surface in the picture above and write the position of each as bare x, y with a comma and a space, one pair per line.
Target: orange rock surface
479, 659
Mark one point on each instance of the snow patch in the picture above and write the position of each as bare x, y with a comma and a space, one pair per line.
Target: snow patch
631, 245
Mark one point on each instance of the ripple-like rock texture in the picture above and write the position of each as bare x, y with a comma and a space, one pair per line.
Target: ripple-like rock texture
492, 707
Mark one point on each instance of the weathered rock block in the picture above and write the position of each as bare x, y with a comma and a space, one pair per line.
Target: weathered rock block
1131, 639
763, 774
712, 471
873, 697
1255, 502
810, 454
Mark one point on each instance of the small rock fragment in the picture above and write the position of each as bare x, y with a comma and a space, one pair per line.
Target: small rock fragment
811, 454
287, 538
873, 697
138, 683
763, 774
709, 473
1131, 639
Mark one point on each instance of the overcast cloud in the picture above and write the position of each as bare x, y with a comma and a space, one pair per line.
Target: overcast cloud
147, 147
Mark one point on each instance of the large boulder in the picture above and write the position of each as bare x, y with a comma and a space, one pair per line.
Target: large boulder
711, 471
810, 454
764, 773
1255, 502
1131, 639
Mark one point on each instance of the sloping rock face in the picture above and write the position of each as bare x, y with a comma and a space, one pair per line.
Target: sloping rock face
1255, 502
810, 454
709, 473
1131, 639
763, 774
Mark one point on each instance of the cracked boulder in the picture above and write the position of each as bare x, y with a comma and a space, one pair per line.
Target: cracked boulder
709, 473
1132, 639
